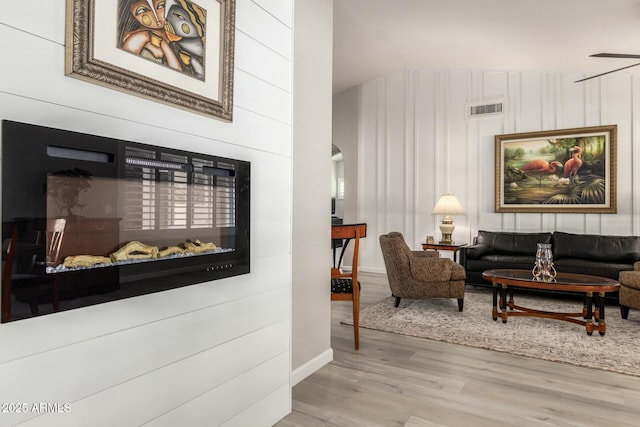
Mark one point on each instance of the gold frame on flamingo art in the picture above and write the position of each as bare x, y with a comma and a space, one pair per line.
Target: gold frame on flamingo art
557, 171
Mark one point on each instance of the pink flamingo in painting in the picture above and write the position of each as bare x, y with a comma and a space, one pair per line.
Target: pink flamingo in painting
539, 167
572, 165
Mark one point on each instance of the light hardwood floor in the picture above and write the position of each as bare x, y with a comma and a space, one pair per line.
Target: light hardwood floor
396, 380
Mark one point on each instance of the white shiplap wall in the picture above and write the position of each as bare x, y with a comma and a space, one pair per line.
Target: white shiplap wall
416, 143
206, 354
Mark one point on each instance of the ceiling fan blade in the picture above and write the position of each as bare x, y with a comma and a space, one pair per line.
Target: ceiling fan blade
615, 55
608, 72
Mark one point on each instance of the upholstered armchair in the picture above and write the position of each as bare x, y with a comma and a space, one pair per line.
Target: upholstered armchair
629, 290
420, 274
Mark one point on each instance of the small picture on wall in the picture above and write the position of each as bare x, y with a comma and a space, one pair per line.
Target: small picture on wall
560, 171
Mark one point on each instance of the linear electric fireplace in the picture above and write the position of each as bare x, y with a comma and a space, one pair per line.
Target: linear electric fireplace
89, 219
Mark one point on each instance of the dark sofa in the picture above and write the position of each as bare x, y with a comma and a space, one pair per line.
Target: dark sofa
596, 255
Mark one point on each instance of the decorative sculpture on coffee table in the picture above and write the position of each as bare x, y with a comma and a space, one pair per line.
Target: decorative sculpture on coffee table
543, 268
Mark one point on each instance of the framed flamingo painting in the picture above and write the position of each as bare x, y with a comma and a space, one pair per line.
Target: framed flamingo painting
558, 171
178, 52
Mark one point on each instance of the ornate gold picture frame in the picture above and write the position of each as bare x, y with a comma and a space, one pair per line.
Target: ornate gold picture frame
179, 52
559, 171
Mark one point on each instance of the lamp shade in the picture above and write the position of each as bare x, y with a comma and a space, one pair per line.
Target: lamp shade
448, 204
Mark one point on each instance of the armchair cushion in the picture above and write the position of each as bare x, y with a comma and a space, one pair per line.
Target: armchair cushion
430, 269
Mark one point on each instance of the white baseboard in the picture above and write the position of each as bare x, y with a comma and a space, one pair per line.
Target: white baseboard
311, 366
377, 270
366, 269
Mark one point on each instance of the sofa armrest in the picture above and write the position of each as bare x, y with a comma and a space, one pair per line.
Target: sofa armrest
475, 251
636, 266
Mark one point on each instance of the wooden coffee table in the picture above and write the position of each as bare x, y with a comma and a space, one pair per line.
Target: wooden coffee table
592, 318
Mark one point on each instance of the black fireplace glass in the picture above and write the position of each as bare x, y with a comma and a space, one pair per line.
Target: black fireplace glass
88, 219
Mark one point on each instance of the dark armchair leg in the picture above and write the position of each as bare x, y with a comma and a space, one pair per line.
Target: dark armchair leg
624, 311
397, 301
460, 303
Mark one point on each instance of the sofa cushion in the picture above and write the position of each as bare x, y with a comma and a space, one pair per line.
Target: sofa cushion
490, 262
512, 243
622, 249
591, 267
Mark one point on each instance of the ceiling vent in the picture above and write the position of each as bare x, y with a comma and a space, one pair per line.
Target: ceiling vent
477, 110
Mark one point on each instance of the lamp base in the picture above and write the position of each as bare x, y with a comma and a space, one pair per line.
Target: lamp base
446, 228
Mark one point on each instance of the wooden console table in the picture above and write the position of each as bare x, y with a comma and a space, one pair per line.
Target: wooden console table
342, 232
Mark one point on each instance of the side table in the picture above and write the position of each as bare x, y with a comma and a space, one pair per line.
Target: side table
444, 247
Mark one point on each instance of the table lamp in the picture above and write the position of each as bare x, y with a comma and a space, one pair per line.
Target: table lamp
447, 205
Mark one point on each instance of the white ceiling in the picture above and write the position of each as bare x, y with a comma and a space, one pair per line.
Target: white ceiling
373, 38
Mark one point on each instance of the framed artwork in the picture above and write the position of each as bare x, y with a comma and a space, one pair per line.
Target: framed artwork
559, 171
179, 52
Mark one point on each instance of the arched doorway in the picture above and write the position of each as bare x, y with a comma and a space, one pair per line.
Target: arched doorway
337, 185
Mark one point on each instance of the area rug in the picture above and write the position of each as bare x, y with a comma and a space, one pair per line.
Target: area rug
439, 319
